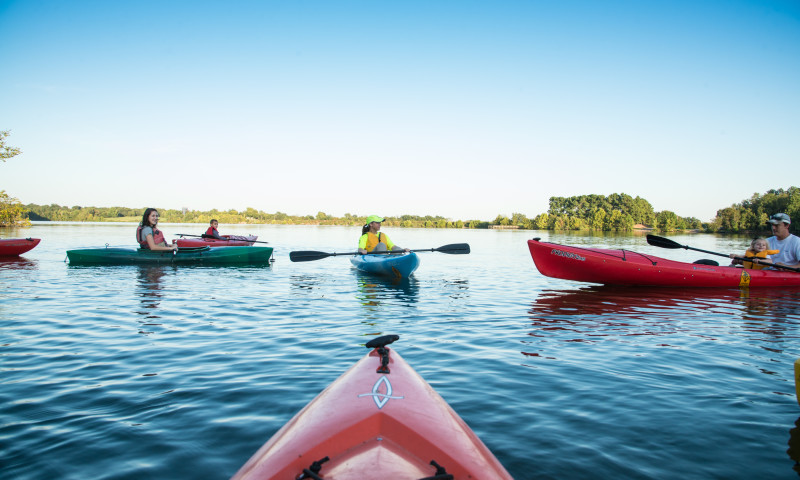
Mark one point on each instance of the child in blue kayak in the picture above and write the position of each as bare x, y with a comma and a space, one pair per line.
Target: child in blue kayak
373, 240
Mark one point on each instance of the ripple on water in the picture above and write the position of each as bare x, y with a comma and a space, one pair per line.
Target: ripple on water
137, 372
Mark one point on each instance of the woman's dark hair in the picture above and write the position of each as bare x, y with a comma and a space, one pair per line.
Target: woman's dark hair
146, 217
365, 229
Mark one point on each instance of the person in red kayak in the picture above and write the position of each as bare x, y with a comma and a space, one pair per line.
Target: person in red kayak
149, 236
373, 240
788, 244
212, 231
759, 248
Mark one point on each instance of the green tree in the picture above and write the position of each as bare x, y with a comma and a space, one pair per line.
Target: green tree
7, 152
541, 221
519, 220
598, 219
12, 213
752, 214
502, 220
666, 221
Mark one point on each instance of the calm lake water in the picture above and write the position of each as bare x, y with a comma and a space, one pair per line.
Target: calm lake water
165, 373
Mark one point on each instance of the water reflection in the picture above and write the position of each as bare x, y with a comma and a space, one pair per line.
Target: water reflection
18, 263
601, 300
583, 315
308, 283
794, 445
372, 290
148, 288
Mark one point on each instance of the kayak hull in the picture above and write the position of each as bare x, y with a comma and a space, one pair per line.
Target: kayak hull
375, 426
236, 241
624, 267
14, 247
391, 265
199, 256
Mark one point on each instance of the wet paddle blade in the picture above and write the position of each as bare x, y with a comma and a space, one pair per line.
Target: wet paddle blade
307, 256
454, 249
662, 242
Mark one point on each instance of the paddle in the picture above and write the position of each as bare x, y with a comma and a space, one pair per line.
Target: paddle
310, 255
662, 242
209, 236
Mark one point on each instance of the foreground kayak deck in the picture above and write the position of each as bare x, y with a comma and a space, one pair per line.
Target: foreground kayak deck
14, 247
192, 256
624, 267
392, 265
372, 425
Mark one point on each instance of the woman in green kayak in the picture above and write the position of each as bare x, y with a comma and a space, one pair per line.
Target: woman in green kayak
149, 236
373, 240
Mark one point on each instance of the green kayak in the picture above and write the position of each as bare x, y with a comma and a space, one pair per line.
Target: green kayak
183, 256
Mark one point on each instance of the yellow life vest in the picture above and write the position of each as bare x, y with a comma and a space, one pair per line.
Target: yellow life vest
373, 241
761, 254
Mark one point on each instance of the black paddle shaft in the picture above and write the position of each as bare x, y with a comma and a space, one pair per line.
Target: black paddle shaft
212, 236
311, 255
662, 242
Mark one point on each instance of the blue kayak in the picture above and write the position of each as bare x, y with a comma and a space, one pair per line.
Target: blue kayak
393, 265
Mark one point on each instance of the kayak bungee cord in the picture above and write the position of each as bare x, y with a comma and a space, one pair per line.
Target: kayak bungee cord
602, 252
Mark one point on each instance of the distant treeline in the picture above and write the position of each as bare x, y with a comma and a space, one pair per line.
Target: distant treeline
751, 215
616, 212
249, 216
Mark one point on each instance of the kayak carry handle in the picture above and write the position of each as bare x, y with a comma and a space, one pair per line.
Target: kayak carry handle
379, 344
441, 473
313, 470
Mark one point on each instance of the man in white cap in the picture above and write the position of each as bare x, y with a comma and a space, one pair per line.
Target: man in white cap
788, 244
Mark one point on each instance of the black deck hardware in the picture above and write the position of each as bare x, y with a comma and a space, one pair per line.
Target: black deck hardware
379, 344
441, 473
313, 470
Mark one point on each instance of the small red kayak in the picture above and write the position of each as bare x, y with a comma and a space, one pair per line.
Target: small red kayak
231, 241
379, 420
14, 247
624, 267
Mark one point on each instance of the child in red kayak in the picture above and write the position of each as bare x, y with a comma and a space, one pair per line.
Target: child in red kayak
759, 248
212, 231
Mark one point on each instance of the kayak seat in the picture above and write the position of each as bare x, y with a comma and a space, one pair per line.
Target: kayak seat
705, 261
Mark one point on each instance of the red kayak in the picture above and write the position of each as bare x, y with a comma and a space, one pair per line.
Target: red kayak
14, 247
379, 420
230, 241
624, 267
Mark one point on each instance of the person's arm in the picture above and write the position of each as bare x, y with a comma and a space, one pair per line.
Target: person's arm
796, 247
390, 245
152, 244
362, 245
387, 241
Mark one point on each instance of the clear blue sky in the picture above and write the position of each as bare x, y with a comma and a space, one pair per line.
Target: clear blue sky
464, 109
